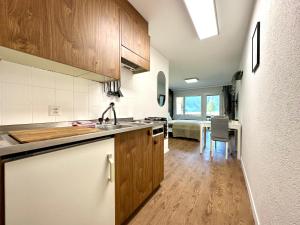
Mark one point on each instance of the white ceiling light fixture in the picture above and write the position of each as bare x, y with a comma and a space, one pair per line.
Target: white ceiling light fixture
203, 15
191, 80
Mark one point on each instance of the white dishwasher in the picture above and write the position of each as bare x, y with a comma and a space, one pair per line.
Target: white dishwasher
72, 186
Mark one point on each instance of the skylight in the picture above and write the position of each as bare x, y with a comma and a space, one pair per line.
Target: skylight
203, 15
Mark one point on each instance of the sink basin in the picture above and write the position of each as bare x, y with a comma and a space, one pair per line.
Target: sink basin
112, 127
139, 122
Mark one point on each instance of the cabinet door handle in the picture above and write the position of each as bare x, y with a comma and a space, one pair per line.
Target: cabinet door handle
111, 167
155, 142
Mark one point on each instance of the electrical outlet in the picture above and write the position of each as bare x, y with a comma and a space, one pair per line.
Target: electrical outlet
54, 110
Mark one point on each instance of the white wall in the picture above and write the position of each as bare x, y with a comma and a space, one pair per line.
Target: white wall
270, 113
197, 92
26, 93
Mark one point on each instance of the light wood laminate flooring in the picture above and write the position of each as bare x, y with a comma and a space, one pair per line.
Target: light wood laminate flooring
197, 190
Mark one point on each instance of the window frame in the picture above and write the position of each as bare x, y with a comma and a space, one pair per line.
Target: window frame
183, 106
212, 95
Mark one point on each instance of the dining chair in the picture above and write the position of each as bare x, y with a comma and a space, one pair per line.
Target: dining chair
219, 132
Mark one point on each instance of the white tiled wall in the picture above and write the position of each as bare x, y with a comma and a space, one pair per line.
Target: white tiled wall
26, 94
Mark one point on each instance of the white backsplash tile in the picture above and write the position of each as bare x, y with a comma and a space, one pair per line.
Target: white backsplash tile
16, 103
42, 99
81, 85
27, 92
14, 73
42, 78
17, 114
43, 96
64, 82
14, 94
95, 96
81, 106
41, 114
94, 112
64, 99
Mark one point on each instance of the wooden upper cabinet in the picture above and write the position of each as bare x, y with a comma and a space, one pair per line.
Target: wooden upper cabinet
108, 38
81, 33
3, 14
134, 31
127, 30
141, 39
22, 26
59, 20
84, 33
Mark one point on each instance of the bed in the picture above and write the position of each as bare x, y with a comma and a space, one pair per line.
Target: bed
185, 128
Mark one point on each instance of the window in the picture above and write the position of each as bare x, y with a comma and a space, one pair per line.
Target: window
189, 105
179, 105
213, 105
192, 105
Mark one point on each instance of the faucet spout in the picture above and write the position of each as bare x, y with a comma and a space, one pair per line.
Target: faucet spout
111, 106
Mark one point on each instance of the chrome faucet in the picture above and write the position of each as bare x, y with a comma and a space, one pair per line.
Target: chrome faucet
111, 106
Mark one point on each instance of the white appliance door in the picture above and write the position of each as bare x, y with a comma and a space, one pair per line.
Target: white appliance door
74, 186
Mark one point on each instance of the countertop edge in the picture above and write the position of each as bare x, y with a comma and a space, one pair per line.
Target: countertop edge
40, 145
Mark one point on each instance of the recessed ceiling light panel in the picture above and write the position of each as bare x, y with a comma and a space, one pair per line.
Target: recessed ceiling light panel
203, 15
191, 80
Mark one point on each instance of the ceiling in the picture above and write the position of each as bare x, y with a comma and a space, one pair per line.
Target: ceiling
213, 60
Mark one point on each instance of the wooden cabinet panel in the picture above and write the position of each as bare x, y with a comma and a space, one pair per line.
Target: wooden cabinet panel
22, 26
141, 38
133, 171
124, 145
3, 24
60, 17
134, 58
84, 51
142, 168
108, 39
158, 160
81, 33
134, 32
127, 30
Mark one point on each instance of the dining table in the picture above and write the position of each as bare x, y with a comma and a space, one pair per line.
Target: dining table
232, 125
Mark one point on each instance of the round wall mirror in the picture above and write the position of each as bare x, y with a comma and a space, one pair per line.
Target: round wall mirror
161, 88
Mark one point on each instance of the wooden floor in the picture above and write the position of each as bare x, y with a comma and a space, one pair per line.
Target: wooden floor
198, 191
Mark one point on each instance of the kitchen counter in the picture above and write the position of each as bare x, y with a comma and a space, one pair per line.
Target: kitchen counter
9, 147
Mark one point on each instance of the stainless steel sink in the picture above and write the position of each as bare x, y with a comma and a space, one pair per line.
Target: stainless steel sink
141, 122
112, 127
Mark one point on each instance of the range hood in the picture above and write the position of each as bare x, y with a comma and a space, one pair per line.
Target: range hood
133, 62
131, 66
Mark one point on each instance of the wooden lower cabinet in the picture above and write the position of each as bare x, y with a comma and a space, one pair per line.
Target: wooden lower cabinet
158, 160
134, 170
124, 146
142, 167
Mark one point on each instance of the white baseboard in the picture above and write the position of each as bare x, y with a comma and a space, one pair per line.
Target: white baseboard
255, 215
